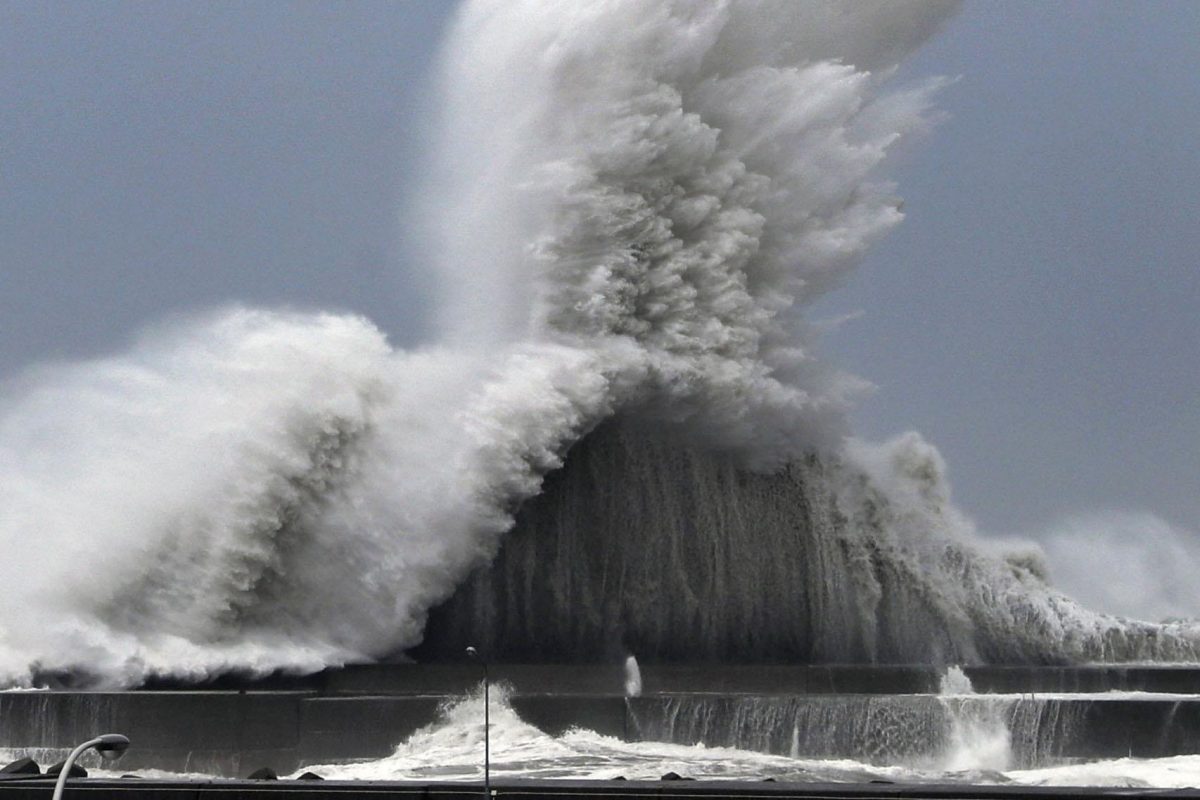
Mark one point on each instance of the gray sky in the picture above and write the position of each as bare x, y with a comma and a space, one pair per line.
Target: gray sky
1034, 316
1036, 313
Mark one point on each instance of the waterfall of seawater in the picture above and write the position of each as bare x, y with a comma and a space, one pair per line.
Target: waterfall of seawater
979, 736
925, 731
450, 749
647, 543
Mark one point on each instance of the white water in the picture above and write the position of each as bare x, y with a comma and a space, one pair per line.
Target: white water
630, 207
979, 736
591, 756
633, 677
955, 682
452, 749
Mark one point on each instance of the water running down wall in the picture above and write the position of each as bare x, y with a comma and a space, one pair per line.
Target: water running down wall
917, 730
644, 543
232, 733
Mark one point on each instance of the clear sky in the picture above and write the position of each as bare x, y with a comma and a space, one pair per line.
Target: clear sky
1035, 315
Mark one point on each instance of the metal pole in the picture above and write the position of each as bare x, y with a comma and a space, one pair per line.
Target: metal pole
70, 762
487, 724
110, 745
487, 734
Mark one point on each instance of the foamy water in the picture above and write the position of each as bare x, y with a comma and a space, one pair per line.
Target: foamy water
452, 749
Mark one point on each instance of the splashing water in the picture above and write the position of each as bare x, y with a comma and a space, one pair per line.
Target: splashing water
630, 206
955, 682
451, 749
633, 678
979, 736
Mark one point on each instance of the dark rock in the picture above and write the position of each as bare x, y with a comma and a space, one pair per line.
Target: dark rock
309, 776
263, 774
76, 770
22, 766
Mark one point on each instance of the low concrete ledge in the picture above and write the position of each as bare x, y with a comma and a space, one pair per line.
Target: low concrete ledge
232, 733
444, 679
135, 789
1168, 678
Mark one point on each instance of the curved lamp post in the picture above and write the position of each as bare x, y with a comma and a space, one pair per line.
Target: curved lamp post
473, 654
110, 746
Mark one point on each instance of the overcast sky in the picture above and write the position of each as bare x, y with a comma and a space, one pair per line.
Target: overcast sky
1035, 315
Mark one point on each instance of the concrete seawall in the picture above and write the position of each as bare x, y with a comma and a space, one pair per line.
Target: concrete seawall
365, 712
233, 733
442, 679
557, 789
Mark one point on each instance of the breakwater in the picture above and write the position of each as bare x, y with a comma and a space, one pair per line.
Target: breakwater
876, 715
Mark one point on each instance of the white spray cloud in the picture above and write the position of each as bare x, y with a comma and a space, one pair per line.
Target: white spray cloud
679, 176
994, 600
260, 489
630, 206
156, 487
1135, 564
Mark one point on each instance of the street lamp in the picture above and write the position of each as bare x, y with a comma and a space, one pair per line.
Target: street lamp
110, 746
473, 654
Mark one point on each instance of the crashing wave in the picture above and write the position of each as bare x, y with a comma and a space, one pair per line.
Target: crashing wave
631, 204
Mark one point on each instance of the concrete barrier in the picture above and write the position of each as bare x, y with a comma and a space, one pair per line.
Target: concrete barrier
445, 679
232, 733
88, 789
366, 711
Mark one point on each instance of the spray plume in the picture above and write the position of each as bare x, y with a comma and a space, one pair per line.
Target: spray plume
630, 205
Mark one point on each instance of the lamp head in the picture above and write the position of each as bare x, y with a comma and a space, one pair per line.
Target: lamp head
111, 746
